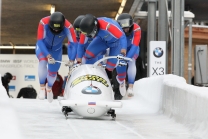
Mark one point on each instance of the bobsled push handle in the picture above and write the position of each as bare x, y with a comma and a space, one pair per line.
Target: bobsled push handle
65, 63
62, 62
109, 57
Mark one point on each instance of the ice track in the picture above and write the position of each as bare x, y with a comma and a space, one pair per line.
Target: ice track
141, 117
42, 120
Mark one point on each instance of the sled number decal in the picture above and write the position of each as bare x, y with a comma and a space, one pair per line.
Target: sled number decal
89, 78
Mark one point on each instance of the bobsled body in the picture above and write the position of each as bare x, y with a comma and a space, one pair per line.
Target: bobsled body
88, 92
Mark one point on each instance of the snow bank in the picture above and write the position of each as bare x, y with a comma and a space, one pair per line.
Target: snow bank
9, 126
172, 96
188, 105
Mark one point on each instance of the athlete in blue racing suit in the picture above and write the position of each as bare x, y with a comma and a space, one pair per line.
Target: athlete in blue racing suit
106, 33
133, 35
52, 31
83, 43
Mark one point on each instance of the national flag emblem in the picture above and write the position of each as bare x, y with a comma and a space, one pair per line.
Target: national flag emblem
91, 103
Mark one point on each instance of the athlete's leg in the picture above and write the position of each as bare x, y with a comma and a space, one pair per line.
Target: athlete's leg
52, 73
53, 68
131, 74
115, 49
131, 71
121, 70
42, 72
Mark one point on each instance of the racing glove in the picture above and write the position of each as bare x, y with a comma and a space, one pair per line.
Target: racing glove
51, 60
121, 62
69, 63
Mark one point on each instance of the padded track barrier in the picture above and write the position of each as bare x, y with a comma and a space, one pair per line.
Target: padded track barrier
173, 97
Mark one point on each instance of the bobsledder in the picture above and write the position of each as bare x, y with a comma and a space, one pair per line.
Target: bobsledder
88, 91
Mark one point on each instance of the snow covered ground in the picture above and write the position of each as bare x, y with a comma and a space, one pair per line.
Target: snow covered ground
139, 118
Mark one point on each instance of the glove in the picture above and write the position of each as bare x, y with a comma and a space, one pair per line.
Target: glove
121, 62
69, 63
73, 67
51, 60
120, 56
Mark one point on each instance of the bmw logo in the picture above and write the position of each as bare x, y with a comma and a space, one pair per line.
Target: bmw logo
158, 52
91, 90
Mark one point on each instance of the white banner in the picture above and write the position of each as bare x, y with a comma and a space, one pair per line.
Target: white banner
24, 69
157, 61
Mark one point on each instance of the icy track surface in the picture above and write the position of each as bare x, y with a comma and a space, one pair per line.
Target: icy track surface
136, 120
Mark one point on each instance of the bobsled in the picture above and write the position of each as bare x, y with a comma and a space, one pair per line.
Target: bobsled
88, 91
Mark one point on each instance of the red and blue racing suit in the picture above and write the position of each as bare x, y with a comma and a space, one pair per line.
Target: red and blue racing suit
48, 43
83, 43
110, 35
133, 41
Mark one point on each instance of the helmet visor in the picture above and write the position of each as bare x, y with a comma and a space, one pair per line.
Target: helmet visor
93, 33
78, 32
56, 27
124, 23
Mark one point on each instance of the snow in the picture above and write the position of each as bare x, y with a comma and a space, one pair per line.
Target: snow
8, 119
141, 117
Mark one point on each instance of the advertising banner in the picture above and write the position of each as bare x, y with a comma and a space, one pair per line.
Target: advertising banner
157, 60
24, 69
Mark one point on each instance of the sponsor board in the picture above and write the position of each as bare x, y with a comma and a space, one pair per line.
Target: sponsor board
157, 63
11, 88
29, 77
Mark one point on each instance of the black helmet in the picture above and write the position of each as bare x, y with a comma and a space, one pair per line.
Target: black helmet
76, 25
126, 21
56, 22
89, 25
